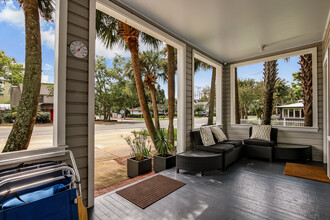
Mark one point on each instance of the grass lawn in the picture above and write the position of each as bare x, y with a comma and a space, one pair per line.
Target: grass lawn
147, 133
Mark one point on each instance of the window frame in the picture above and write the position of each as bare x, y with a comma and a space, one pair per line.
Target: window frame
218, 86
312, 51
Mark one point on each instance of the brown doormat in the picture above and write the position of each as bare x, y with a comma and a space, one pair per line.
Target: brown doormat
306, 171
150, 191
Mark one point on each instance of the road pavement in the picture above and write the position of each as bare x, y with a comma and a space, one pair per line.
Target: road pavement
108, 136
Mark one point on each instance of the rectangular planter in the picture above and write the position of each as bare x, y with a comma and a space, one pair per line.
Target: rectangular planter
136, 168
163, 163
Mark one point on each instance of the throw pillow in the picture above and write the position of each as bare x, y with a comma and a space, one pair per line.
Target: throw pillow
207, 137
218, 133
261, 132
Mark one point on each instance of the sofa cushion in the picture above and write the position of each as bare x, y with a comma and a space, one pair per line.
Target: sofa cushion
259, 142
236, 143
207, 136
218, 134
217, 148
261, 132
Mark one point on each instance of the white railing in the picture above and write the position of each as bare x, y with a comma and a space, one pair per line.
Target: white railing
287, 123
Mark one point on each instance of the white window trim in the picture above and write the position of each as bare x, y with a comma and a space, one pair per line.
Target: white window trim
219, 93
91, 103
61, 16
326, 139
312, 51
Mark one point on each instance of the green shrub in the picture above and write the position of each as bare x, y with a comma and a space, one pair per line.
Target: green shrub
43, 117
138, 145
134, 116
8, 117
198, 115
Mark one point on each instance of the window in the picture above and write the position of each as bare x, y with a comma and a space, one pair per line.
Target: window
285, 113
288, 97
12, 54
290, 113
206, 74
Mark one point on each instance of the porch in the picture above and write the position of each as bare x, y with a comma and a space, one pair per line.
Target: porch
250, 189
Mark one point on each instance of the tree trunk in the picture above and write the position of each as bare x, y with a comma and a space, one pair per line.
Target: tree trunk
154, 105
131, 36
212, 97
20, 135
237, 112
307, 87
270, 77
104, 113
171, 91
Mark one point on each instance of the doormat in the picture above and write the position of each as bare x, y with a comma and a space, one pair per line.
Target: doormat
306, 171
149, 191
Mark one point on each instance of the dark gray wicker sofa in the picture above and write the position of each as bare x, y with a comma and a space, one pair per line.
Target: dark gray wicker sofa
261, 148
230, 149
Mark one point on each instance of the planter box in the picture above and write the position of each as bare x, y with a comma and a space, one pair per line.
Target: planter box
136, 168
163, 163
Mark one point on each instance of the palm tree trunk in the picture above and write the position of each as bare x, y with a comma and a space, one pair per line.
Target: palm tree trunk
20, 135
133, 46
237, 112
212, 97
171, 91
270, 77
154, 105
307, 87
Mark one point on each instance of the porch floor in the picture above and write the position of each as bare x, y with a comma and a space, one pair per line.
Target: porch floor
249, 189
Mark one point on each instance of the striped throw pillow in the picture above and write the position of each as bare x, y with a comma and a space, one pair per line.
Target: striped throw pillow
207, 137
261, 132
218, 133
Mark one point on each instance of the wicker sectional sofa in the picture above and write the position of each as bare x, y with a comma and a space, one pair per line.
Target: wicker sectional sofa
230, 149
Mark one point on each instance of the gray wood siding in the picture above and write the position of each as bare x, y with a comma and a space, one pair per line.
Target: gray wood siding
189, 95
77, 90
302, 137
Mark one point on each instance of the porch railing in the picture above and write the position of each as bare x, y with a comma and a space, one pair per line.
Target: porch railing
287, 123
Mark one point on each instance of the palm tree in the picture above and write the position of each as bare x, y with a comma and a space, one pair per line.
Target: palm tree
201, 65
171, 68
114, 32
270, 78
307, 87
152, 65
20, 135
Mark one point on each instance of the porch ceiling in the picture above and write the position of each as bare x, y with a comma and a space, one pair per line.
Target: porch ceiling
233, 30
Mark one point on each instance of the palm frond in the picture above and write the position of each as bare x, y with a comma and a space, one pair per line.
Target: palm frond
46, 9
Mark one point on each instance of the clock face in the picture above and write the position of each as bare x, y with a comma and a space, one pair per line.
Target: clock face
78, 49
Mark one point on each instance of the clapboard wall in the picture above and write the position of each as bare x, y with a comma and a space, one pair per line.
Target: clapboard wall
284, 136
77, 89
189, 95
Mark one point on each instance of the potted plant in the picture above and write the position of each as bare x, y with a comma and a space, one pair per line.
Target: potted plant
140, 162
165, 157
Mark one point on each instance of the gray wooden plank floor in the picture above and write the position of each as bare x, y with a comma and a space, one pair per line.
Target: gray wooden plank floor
249, 189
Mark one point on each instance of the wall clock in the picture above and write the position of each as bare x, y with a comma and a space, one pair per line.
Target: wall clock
78, 49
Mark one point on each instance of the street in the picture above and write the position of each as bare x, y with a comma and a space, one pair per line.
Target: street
106, 134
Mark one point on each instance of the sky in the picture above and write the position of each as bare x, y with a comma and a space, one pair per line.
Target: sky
12, 41
285, 69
